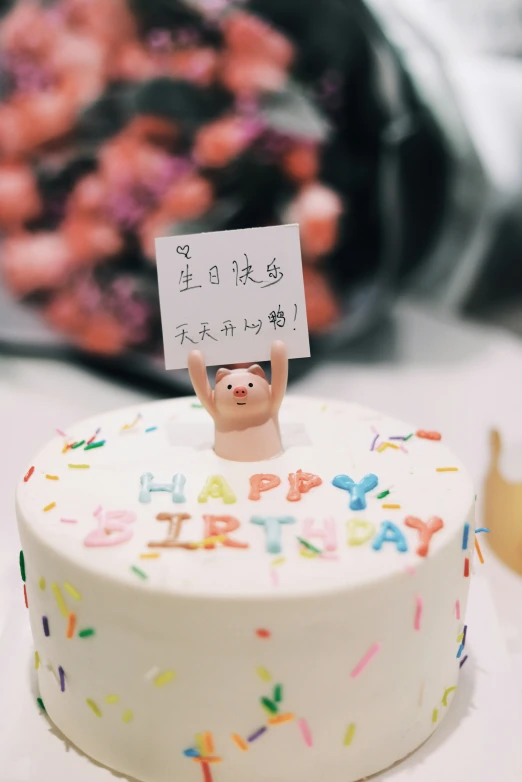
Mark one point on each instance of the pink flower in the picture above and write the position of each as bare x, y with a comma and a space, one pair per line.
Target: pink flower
317, 209
322, 308
249, 35
19, 197
187, 198
246, 74
28, 30
220, 142
132, 62
157, 223
91, 239
111, 23
89, 195
33, 262
301, 163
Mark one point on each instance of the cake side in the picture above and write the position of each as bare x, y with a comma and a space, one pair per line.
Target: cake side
335, 655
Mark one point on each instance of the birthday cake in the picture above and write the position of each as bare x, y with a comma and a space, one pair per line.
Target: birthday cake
281, 620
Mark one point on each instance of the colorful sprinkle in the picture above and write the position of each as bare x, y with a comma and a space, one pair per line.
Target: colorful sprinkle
49, 507
391, 506
61, 673
373, 442
350, 733
69, 521
383, 494
208, 743
77, 445
22, 565
45, 623
305, 731
446, 693
62, 607
465, 634
28, 474
97, 511
163, 678
40, 703
278, 561
41, 583
465, 536
278, 693
72, 591
309, 546
59, 431
112, 699
195, 404
466, 568
90, 446
152, 555
446, 469
91, 704
87, 633
459, 653
457, 609
239, 742
262, 633
138, 572
482, 529
127, 716
418, 613
274, 575
263, 674
125, 427
71, 625
479, 552
279, 719
151, 429
257, 734
52, 477
428, 435
79, 466
365, 660
36, 661
191, 753
25, 597
269, 705
435, 716
463, 661
408, 437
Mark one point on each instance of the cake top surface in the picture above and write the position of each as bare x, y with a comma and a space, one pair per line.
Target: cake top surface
95, 498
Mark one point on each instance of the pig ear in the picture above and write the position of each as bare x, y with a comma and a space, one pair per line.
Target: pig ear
255, 369
221, 373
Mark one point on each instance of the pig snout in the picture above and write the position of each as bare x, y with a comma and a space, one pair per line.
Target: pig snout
240, 392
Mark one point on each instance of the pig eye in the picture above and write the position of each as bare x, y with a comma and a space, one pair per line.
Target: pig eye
251, 385
229, 387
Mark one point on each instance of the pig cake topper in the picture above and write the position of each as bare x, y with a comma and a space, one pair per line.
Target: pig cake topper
243, 405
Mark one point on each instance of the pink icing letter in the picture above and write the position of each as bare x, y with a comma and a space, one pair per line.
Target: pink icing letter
260, 483
328, 534
223, 525
301, 483
426, 531
112, 529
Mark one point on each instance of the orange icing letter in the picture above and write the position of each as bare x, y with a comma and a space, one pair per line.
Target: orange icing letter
175, 522
223, 525
426, 531
301, 483
262, 482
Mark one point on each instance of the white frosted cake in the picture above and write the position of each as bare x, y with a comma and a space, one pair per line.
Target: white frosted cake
289, 620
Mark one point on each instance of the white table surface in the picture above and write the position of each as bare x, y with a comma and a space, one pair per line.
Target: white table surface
435, 372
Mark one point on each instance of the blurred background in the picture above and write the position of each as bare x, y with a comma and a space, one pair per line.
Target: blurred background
390, 130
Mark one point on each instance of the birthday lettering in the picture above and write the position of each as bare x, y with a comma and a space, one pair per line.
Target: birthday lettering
272, 525
426, 531
175, 521
328, 534
217, 487
219, 526
301, 483
262, 482
390, 533
175, 487
357, 490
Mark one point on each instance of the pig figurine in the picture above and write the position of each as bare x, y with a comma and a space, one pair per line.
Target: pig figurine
244, 406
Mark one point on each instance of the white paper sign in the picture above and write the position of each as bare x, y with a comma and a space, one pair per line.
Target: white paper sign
230, 294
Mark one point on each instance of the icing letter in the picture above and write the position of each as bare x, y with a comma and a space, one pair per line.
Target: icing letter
272, 525
426, 531
222, 525
359, 532
357, 490
215, 487
259, 483
175, 522
301, 483
112, 529
328, 534
390, 533
175, 486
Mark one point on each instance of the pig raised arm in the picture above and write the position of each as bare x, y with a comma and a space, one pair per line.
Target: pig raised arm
199, 378
279, 364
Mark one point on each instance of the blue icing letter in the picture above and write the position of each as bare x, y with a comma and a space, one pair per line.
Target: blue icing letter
174, 487
272, 525
356, 490
389, 533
